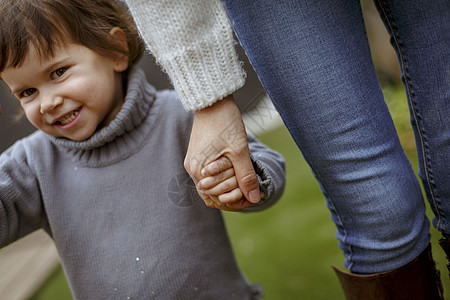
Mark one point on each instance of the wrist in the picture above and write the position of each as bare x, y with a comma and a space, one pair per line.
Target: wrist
227, 101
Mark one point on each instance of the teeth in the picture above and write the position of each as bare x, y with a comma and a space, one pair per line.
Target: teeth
69, 117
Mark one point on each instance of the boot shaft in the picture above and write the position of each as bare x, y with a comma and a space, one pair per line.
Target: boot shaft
417, 280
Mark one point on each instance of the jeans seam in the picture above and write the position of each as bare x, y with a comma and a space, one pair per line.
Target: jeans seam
338, 223
414, 113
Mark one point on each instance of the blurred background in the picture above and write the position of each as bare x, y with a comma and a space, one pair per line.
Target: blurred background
288, 249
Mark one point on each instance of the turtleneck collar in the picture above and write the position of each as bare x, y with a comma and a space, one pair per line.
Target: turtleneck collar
124, 135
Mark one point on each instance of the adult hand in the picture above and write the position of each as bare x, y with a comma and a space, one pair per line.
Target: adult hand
218, 131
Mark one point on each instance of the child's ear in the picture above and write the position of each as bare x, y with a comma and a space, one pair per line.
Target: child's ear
119, 38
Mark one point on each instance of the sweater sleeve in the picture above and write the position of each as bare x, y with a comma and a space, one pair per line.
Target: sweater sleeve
21, 208
270, 168
193, 42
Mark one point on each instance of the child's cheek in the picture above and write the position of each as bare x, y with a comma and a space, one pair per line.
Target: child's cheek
32, 112
82, 88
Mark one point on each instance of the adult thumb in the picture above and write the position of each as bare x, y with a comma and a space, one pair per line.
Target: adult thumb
246, 176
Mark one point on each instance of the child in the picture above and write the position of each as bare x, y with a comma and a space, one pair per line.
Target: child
104, 174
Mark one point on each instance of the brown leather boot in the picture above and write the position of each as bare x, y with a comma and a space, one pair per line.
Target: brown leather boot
417, 280
445, 244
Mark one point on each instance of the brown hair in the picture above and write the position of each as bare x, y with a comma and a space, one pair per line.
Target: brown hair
48, 24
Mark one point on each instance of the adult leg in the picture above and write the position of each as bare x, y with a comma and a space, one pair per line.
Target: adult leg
419, 33
314, 61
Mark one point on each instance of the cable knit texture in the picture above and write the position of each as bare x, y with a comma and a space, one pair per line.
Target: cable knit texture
193, 42
124, 214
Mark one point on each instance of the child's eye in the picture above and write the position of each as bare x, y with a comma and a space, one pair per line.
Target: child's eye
28, 92
59, 72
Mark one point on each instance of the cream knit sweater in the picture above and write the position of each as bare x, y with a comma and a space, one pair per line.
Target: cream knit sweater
193, 42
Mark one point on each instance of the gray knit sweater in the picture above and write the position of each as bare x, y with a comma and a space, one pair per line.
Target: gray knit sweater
124, 215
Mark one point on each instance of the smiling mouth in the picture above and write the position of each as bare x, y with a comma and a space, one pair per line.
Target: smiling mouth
68, 118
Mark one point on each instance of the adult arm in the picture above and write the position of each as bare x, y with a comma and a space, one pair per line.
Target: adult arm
193, 42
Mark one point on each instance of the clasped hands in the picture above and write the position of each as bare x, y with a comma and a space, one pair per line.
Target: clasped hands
218, 158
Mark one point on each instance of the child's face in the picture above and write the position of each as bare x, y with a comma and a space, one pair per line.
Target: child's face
69, 95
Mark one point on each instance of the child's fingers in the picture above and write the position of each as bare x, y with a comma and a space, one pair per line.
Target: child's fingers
223, 187
232, 196
219, 165
211, 181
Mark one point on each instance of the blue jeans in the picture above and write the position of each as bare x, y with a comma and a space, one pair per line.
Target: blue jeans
314, 61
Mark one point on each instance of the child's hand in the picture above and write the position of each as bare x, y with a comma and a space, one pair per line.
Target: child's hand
220, 181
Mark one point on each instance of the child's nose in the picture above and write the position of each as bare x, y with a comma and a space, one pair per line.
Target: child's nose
50, 103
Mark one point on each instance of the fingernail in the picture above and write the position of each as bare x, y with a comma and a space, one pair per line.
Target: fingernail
254, 196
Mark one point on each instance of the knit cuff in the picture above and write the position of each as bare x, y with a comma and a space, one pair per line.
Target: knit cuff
206, 73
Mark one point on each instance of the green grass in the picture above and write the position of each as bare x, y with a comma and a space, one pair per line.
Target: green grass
289, 248
56, 288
